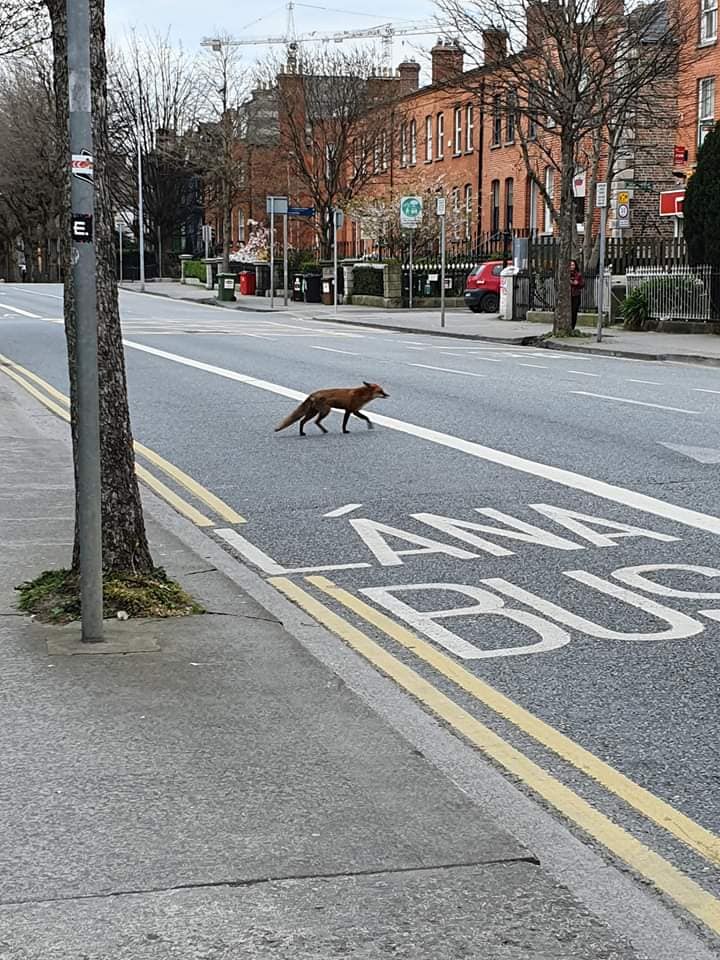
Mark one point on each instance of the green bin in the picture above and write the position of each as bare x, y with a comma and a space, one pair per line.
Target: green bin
226, 286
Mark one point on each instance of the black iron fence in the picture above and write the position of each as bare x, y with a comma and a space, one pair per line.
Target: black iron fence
536, 290
622, 253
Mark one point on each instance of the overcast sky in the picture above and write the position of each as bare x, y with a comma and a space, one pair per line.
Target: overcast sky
189, 20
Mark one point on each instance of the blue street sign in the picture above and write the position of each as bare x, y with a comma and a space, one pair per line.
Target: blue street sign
301, 211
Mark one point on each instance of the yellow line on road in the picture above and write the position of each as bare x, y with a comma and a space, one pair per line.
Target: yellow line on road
198, 490
703, 841
667, 878
182, 506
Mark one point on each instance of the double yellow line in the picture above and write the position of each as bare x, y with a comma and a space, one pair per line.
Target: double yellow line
26, 378
648, 864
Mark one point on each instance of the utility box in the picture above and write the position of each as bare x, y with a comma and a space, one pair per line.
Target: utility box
507, 289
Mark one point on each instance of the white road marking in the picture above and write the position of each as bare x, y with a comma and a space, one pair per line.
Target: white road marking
341, 511
565, 478
36, 293
464, 373
328, 567
653, 383
489, 359
417, 348
23, 313
701, 454
252, 553
538, 366
638, 403
584, 373
411, 343
701, 390
349, 353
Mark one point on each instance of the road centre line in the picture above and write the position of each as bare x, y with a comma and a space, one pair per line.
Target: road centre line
583, 373
667, 878
537, 366
23, 313
653, 383
348, 353
201, 492
464, 373
703, 841
559, 475
701, 390
637, 403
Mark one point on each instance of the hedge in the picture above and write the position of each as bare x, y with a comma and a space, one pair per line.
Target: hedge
368, 281
193, 268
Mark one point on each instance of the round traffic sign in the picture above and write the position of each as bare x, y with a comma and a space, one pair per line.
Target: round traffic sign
623, 211
411, 206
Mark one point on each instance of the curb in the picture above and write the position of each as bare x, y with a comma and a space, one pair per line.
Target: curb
528, 341
203, 302
632, 354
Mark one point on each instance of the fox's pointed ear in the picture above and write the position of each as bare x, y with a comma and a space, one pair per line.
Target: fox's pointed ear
366, 384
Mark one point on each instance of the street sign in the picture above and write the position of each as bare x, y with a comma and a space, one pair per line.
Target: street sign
339, 219
579, 181
623, 197
623, 211
440, 206
680, 156
81, 166
411, 211
671, 203
601, 195
301, 211
276, 205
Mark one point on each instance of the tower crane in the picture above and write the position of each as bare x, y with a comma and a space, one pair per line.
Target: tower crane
384, 31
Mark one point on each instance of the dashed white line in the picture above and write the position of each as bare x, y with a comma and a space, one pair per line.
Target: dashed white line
349, 353
653, 383
464, 373
584, 373
537, 366
23, 313
703, 390
638, 403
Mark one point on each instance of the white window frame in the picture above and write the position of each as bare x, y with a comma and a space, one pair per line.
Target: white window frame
550, 190
533, 210
706, 107
413, 142
708, 21
469, 128
468, 211
403, 145
440, 145
384, 160
429, 138
457, 134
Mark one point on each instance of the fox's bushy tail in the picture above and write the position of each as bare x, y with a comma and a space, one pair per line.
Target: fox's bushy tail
294, 416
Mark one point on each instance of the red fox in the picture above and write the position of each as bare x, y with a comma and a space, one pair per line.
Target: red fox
320, 403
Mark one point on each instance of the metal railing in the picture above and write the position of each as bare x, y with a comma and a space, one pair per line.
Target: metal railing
537, 290
680, 293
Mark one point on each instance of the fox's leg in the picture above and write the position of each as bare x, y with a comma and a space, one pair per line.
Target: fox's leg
361, 416
345, 421
304, 420
322, 413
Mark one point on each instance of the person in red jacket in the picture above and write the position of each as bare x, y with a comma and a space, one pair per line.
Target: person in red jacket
577, 282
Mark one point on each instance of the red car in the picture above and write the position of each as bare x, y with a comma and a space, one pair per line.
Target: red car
482, 287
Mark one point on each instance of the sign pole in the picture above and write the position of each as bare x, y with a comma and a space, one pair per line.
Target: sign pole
440, 210
141, 214
601, 203
335, 260
272, 252
83, 276
285, 259
410, 290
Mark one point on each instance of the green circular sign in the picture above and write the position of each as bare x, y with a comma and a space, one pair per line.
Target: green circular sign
411, 206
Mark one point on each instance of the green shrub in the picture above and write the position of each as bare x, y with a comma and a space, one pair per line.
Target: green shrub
193, 268
368, 281
636, 309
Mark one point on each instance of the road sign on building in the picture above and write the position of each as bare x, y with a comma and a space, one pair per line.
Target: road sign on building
411, 211
671, 203
623, 197
601, 195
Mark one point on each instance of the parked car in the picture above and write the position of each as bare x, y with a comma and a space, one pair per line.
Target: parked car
482, 287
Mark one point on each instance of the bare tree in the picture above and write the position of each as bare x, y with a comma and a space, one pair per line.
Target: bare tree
575, 76
23, 23
224, 84
154, 97
125, 546
338, 120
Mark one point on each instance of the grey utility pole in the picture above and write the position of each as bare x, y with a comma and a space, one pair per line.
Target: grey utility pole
83, 274
141, 212
601, 204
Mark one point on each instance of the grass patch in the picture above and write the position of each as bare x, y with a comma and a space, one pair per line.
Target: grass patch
54, 596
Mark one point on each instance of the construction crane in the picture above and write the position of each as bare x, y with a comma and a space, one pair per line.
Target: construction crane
384, 31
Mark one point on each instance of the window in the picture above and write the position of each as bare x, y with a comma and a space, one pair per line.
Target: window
440, 136
457, 139
241, 227
510, 119
377, 147
509, 199
708, 20
384, 158
495, 207
706, 107
549, 190
403, 145
469, 127
468, 211
533, 192
413, 142
428, 139
455, 204
497, 121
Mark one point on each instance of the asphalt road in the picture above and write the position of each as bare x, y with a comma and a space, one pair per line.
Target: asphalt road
494, 473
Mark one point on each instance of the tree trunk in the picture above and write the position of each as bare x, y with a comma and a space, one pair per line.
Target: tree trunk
563, 319
227, 226
124, 541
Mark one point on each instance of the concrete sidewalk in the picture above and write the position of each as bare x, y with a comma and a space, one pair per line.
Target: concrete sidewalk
228, 796
688, 348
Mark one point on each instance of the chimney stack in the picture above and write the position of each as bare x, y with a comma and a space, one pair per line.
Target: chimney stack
409, 75
447, 62
536, 24
495, 46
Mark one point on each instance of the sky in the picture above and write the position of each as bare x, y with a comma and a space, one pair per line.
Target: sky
190, 21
